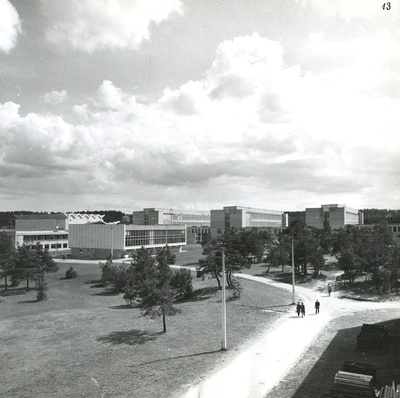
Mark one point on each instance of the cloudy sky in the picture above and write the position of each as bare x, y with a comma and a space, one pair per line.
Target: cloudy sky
199, 104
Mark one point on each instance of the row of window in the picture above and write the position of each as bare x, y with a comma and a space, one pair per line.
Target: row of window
200, 231
158, 237
37, 238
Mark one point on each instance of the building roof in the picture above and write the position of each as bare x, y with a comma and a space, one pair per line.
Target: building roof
45, 216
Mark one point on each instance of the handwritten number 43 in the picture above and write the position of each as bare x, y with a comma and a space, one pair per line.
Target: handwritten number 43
386, 6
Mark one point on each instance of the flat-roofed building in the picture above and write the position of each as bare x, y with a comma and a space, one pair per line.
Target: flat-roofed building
49, 230
246, 217
120, 240
158, 216
333, 215
197, 221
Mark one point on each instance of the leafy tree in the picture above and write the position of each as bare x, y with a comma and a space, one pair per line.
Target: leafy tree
280, 252
7, 257
239, 246
307, 250
212, 263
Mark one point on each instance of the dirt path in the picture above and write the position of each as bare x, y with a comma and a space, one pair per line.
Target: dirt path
255, 372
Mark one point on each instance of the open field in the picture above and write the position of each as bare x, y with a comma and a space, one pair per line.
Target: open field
85, 342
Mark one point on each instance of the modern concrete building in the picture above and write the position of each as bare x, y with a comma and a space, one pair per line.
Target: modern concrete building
158, 216
121, 240
246, 217
334, 215
49, 230
197, 221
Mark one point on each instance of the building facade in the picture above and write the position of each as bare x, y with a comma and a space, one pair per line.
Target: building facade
49, 230
120, 240
197, 221
246, 217
158, 216
333, 215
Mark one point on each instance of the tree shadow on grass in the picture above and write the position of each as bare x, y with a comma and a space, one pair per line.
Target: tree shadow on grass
28, 301
14, 291
124, 307
107, 292
178, 357
130, 337
198, 295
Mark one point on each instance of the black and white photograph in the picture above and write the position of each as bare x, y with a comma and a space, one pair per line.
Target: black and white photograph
200, 198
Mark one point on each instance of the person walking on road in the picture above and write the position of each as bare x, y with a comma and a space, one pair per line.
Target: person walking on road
298, 308
329, 289
317, 304
303, 310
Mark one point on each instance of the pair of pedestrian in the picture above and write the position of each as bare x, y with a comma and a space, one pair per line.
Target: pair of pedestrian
301, 308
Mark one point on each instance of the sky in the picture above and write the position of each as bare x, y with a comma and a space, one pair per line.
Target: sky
199, 104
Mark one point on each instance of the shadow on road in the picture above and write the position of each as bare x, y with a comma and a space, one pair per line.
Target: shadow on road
178, 357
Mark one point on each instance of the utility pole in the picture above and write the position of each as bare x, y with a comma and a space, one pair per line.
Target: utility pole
112, 241
293, 279
223, 303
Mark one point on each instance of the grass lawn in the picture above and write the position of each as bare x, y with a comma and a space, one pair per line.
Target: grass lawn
85, 342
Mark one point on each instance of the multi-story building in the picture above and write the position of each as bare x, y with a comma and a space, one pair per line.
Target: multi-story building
246, 217
333, 215
49, 230
197, 221
121, 240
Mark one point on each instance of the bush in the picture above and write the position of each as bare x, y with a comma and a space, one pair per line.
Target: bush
71, 273
41, 287
116, 276
236, 289
181, 282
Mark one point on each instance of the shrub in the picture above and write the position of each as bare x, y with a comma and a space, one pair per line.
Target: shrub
41, 287
71, 273
236, 289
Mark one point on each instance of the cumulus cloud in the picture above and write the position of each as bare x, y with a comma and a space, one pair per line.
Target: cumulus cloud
89, 25
272, 130
55, 97
10, 26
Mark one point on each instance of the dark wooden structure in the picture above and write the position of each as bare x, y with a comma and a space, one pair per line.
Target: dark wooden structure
372, 337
